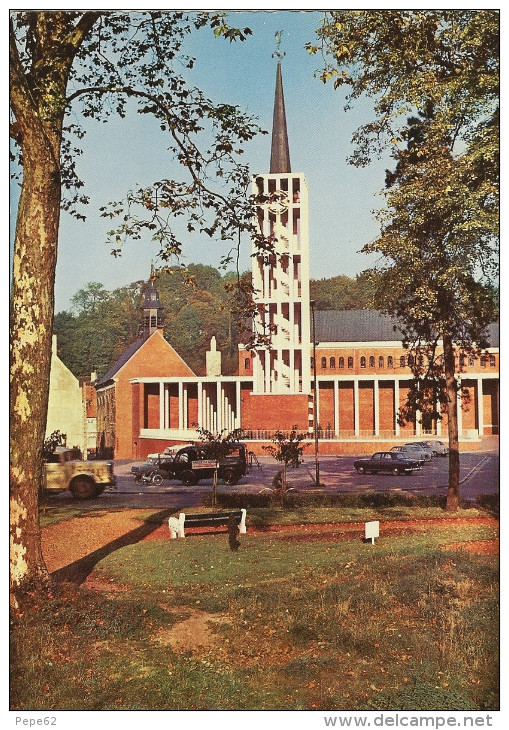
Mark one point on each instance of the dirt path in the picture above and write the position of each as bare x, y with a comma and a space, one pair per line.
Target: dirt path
87, 537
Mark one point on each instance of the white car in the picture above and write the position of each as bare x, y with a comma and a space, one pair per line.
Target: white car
169, 451
423, 447
439, 448
412, 452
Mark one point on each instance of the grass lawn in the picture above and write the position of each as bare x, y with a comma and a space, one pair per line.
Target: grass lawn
289, 622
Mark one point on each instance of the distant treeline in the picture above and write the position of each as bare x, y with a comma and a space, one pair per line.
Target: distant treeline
100, 324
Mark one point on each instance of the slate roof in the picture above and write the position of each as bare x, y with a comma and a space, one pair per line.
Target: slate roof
368, 325
494, 334
124, 357
354, 325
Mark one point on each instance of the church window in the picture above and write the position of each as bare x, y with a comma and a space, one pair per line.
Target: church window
492, 361
471, 360
324, 363
363, 362
371, 361
410, 361
381, 362
332, 363
247, 363
402, 362
341, 362
350, 362
483, 361
390, 362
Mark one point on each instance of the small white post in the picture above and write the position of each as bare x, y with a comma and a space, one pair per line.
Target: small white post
182, 519
242, 525
174, 526
372, 530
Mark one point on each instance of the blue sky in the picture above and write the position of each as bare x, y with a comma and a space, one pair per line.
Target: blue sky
119, 155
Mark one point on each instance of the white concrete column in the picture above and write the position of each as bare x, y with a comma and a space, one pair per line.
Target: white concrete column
418, 424
181, 406
396, 407
480, 409
186, 406
161, 406
376, 403
460, 410
199, 396
356, 413
336, 408
238, 420
219, 407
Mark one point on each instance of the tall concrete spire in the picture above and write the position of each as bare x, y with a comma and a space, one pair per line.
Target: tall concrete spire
280, 152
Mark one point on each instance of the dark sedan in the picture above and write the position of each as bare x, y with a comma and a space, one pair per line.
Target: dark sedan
393, 462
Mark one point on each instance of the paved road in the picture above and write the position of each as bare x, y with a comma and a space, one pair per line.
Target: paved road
479, 475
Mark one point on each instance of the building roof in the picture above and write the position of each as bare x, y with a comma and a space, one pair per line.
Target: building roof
368, 325
493, 336
355, 325
151, 297
124, 357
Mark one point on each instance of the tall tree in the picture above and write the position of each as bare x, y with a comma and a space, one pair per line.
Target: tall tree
433, 76
64, 64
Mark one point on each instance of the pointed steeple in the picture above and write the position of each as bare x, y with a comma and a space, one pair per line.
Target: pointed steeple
280, 152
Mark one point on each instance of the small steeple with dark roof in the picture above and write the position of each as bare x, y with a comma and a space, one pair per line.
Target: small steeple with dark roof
151, 307
280, 152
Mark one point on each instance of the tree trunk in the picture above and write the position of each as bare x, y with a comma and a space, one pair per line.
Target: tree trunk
31, 320
453, 489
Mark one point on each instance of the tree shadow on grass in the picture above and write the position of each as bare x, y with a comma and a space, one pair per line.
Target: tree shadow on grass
78, 571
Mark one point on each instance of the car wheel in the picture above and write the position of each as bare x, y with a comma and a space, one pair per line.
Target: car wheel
360, 469
83, 487
230, 477
157, 479
189, 478
395, 471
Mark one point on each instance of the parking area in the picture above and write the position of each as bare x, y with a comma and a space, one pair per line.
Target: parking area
337, 473
479, 475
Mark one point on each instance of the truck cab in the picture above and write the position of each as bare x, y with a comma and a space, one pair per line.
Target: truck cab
197, 461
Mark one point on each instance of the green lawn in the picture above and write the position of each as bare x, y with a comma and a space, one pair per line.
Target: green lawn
410, 623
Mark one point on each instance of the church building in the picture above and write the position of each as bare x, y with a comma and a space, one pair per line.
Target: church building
352, 362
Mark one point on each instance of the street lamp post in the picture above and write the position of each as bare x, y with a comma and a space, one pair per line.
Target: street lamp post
315, 397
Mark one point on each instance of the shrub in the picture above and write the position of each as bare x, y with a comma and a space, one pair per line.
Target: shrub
324, 499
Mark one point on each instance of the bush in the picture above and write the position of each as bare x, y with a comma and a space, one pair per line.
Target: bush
324, 499
489, 502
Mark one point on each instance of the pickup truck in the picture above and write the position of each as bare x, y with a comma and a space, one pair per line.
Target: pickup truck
84, 479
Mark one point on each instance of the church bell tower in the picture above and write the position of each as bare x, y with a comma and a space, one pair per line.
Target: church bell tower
281, 278
152, 309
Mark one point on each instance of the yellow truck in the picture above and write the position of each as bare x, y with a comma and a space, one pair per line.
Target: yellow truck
84, 479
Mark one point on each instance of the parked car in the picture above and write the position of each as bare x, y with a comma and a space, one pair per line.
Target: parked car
196, 462
169, 450
422, 447
84, 479
153, 470
439, 448
412, 452
394, 462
